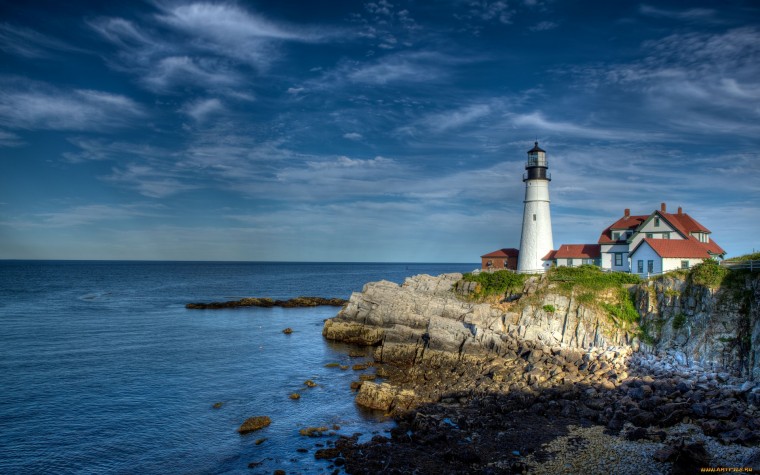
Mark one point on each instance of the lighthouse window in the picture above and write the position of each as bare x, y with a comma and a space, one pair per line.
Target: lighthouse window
534, 217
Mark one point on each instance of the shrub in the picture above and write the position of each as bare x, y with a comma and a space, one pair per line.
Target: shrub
497, 283
549, 309
746, 257
708, 273
679, 321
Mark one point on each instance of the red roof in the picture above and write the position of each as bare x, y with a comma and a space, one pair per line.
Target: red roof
677, 247
549, 256
681, 222
713, 248
576, 251
511, 252
624, 223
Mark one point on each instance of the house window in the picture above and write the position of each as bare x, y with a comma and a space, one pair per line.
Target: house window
656, 222
650, 235
684, 264
570, 263
640, 265
615, 236
588, 261
666, 235
650, 266
618, 258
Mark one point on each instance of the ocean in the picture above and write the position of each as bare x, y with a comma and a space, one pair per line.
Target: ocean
103, 370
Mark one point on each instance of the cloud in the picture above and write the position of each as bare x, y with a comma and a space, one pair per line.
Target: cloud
352, 136
83, 215
9, 139
200, 109
404, 67
544, 26
295, 90
29, 43
26, 104
174, 71
690, 14
96, 149
454, 119
149, 181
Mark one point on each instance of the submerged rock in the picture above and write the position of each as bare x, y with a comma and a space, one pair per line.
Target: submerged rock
254, 423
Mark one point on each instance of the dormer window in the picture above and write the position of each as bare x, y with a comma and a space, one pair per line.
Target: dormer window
616, 236
656, 222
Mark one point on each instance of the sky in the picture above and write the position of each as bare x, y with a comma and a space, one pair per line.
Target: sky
379, 131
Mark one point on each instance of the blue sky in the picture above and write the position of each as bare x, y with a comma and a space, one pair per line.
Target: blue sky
367, 131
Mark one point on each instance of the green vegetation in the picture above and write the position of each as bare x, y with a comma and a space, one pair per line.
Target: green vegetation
624, 310
708, 273
588, 283
679, 321
591, 278
746, 257
496, 283
549, 309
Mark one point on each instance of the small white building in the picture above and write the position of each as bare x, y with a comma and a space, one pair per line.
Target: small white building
655, 256
671, 241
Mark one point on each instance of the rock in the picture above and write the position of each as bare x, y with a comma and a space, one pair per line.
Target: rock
254, 423
217, 405
260, 441
309, 383
313, 431
267, 302
295, 396
288, 331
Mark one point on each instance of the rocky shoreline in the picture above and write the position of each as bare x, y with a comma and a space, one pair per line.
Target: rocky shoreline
484, 388
268, 303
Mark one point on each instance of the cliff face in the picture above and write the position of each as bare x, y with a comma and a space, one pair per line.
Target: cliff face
718, 328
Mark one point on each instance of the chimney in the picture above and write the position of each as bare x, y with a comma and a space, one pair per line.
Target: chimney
680, 210
626, 212
662, 207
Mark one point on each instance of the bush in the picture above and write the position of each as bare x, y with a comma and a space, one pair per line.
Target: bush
679, 321
549, 309
497, 283
708, 273
746, 257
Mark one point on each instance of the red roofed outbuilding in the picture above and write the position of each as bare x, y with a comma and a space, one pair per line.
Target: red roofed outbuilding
501, 259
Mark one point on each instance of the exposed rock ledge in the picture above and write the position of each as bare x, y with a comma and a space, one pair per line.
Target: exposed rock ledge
460, 373
267, 302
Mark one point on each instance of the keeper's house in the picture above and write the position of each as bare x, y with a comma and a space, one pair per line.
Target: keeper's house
644, 244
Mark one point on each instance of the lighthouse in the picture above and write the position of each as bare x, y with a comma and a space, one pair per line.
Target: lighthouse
536, 239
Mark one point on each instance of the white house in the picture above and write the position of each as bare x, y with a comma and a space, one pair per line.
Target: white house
654, 256
575, 255
618, 242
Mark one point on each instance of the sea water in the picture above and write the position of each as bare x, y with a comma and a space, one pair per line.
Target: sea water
103, 370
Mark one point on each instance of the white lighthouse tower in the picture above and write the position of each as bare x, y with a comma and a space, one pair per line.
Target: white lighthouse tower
536, 240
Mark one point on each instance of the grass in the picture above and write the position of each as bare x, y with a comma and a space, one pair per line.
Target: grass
679, 321
746, 257
590, 278
549, 308
496, 283
624, 311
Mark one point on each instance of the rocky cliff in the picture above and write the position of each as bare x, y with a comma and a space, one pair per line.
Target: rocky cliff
714, 327
515, 370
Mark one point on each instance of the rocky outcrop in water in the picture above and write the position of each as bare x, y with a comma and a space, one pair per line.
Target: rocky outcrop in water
267, 302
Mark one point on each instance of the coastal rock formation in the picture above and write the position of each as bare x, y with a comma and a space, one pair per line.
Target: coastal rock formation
480, 370
711, 327
267, 302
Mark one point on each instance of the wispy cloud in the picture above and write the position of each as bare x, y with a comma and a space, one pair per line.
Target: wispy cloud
30, 43
149, 181
83, 215
201, 109
688, 14
33, 105
9, 139
352, 136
